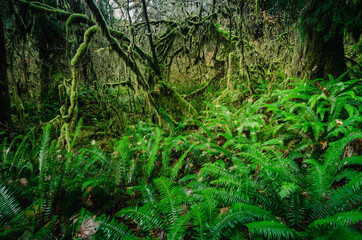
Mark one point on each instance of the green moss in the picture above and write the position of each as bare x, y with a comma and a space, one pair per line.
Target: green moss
69, 118
37, 6
84, 46
76, 18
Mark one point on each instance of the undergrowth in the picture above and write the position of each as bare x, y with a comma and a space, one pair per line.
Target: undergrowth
274, 168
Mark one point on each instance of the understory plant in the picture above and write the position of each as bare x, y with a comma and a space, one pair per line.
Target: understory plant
273, 168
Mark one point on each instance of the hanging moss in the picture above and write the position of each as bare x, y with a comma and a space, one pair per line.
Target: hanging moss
230, 85
69, 117
83, 47
101, 23
168, 93
19, 108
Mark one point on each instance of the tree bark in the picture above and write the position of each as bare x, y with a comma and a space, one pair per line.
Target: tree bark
149, 34
324, 53
5, 116
324, 57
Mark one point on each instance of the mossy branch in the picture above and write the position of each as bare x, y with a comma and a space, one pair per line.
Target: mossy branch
83, 47
203, 89
77, 18
72, 90
37, 6
101, 23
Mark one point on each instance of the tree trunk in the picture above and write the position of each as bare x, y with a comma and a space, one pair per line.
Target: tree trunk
5, 116
324, 57
44, 56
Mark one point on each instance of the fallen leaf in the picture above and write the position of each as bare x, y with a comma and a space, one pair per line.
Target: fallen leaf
339, 122
324, 144
88, 228
224, 210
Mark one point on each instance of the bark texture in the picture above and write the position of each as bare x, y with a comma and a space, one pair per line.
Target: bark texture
324, 57
5, 116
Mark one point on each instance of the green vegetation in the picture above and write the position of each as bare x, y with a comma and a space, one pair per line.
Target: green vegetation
180, 120
256, 171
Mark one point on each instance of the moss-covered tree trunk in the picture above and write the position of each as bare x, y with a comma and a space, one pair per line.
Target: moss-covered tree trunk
324, 57
5, 116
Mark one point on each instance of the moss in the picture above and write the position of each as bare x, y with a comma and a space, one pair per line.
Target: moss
76, 18
230, 85
69, 118
160, 99
84, 46
101, 23
177, 100
37, 6
19, 108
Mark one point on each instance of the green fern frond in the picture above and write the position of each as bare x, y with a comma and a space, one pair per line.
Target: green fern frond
353, 160
9, 206
76, 133
216, 170
148, 193
200, 217
206, 211
287, 189
170, 198
238, 235
338, 220
229, 197
46, 231
154, 145
273, 230
44, 153
179, 228
176, 168
238, 214
144, 217
110, 228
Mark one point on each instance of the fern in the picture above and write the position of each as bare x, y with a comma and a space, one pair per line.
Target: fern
170, 198
145, 217
338, 220
178, 229
110, 228
9, 206
238, 214
273, 230
154, 146
201, 218
180, 163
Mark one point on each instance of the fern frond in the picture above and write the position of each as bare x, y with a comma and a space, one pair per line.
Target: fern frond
176, 168
170, 198
179, 229
338, 220
287, 189
46, 231
148, 193
200, 217
9, 206
144, 217
110, 228
273, 230
228, 197
44, 153
154, 146
238, 214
